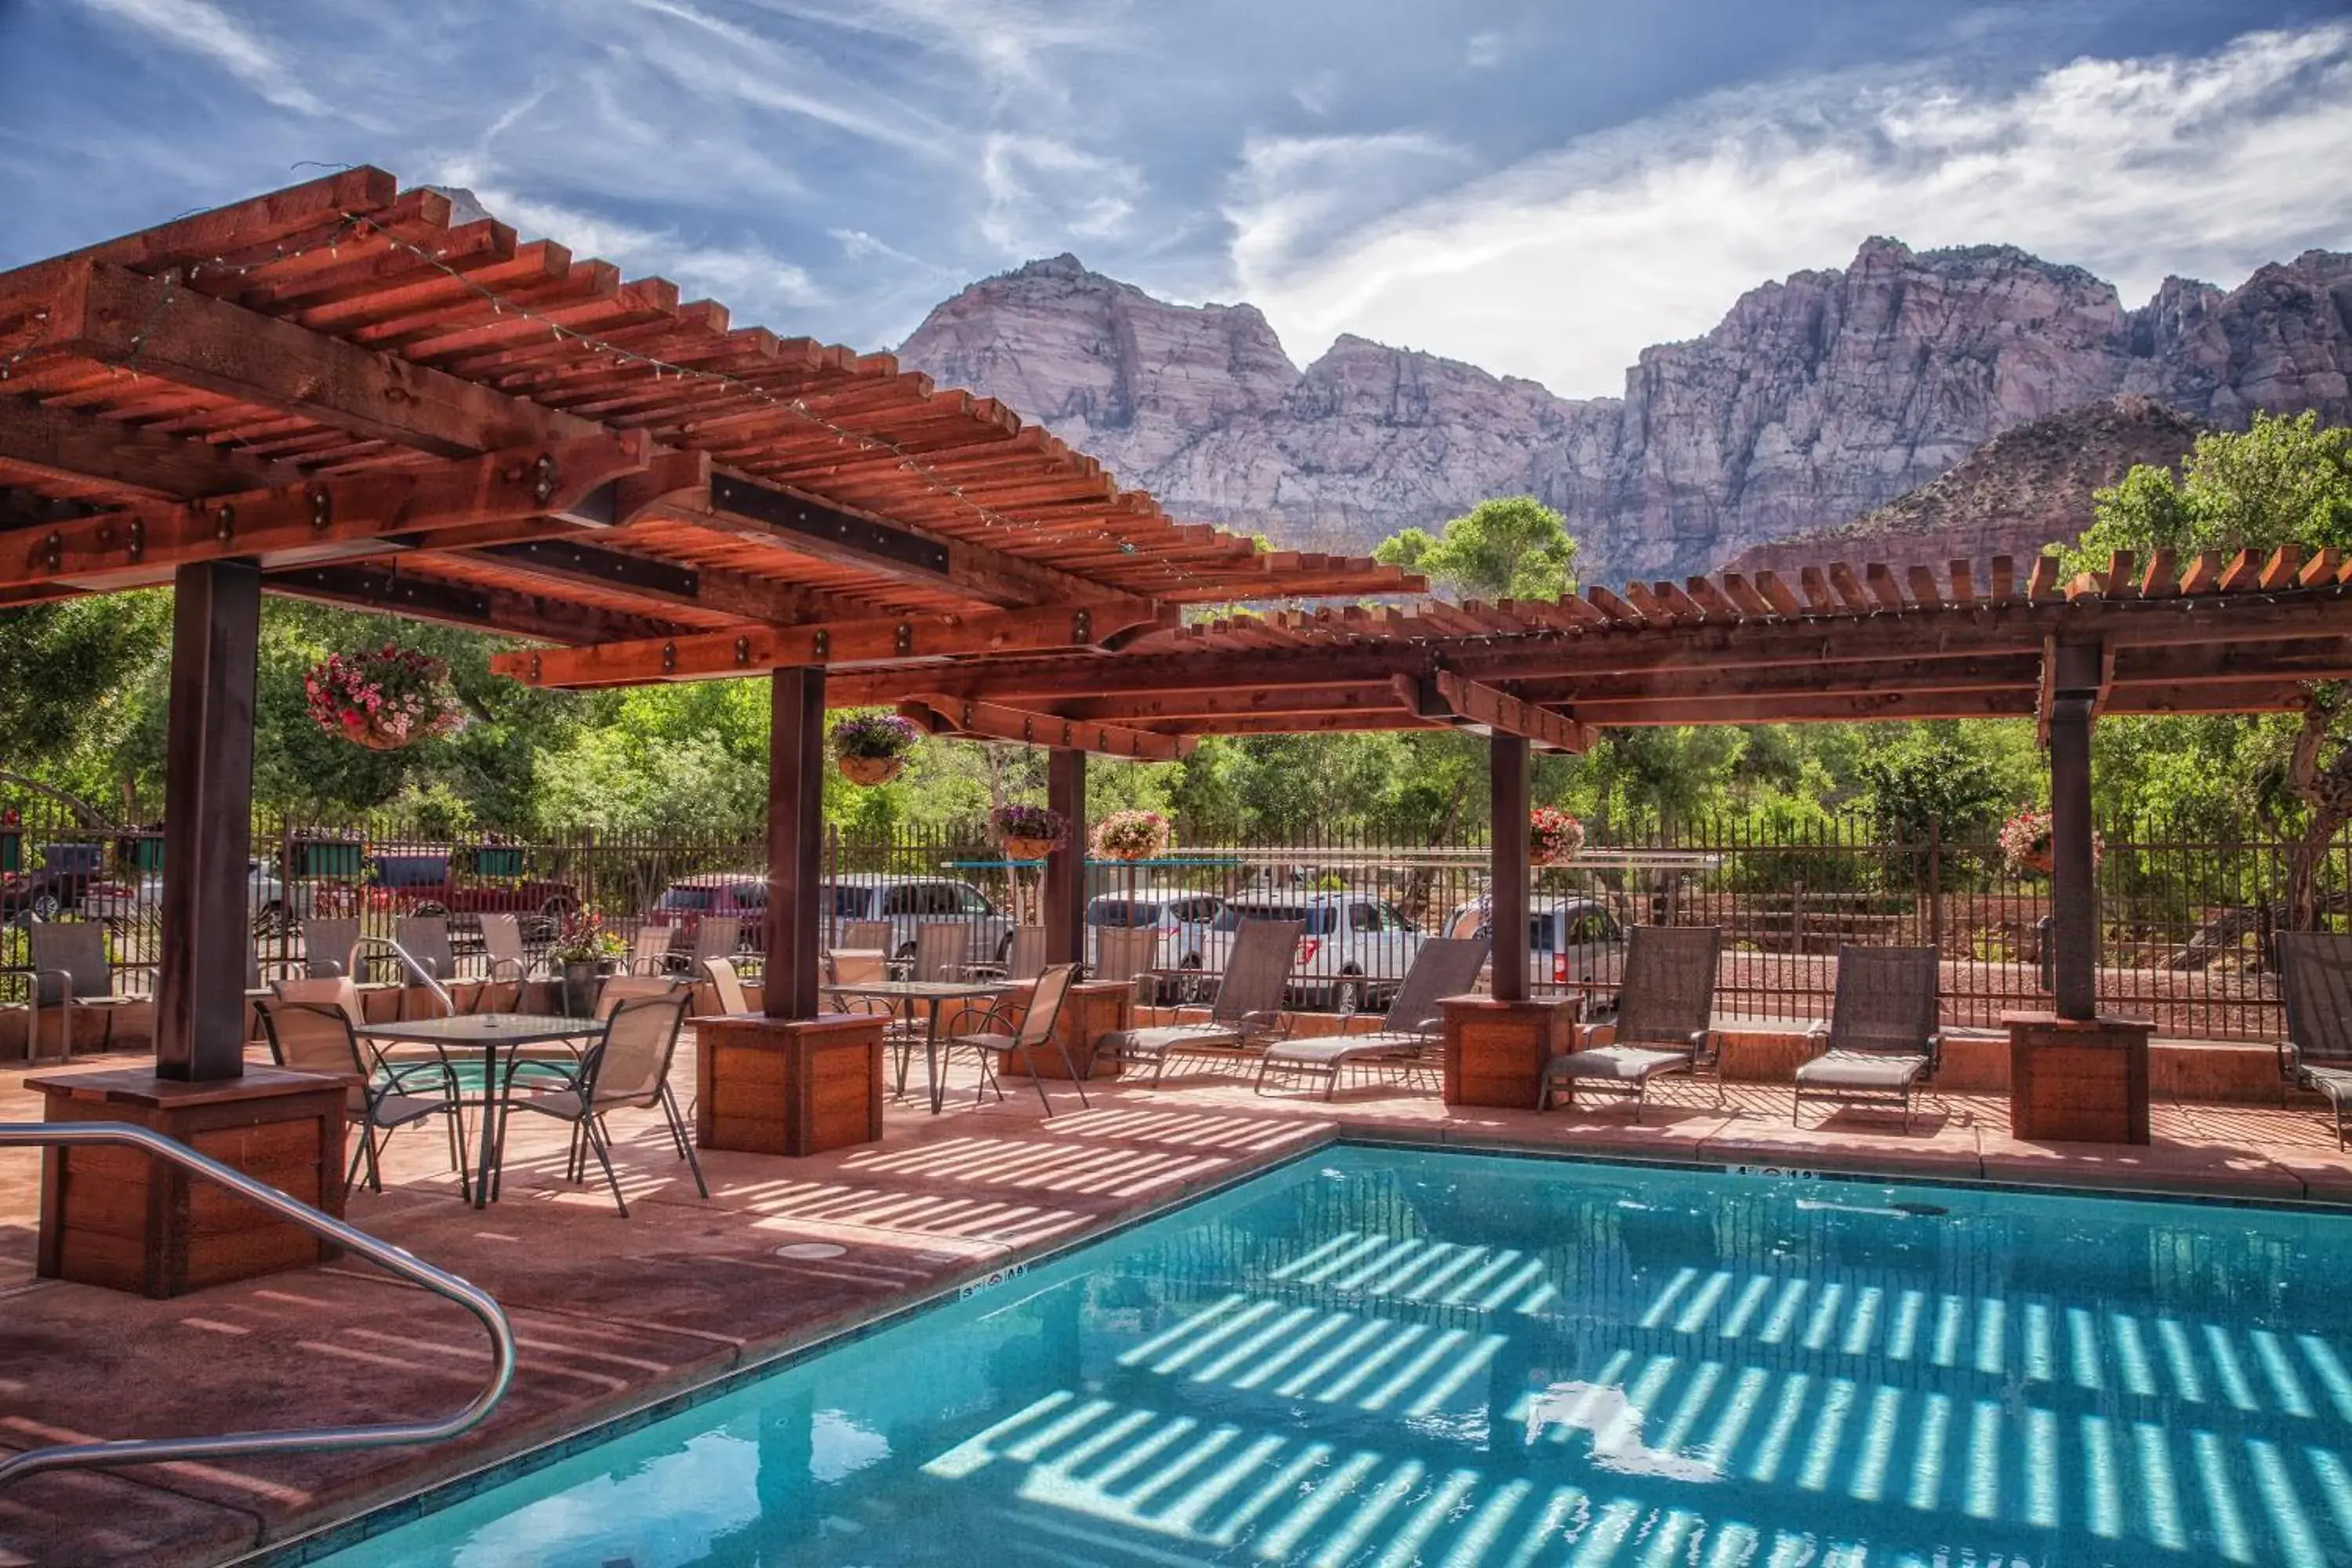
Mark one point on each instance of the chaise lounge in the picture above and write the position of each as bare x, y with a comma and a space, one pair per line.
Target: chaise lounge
1881, 1040
1663, 1021
1408, 1036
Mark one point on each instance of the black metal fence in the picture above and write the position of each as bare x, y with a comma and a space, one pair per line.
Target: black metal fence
2187, 920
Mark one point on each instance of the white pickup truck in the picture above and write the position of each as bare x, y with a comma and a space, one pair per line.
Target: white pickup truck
1353, 951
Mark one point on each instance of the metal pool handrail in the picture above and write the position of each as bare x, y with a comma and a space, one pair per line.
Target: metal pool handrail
416, 968
155, 1450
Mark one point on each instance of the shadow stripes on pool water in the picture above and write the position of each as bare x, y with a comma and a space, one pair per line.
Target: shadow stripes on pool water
1380, 1356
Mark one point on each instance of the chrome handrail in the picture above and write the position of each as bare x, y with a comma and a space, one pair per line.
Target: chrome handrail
415, 967
156, 1451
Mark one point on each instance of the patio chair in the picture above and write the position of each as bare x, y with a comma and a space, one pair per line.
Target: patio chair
998, 1033
1128, 954
339, 992
864, 934
331, 948
623, 988
71, 968
1881, 1040
718, 936
629, 1066
425, 940
316, 1037
1246, 1011
649, 950
1025, 957
1412, 1031
2315, 983
721, 972
509, 964
941, 948
1662, 1022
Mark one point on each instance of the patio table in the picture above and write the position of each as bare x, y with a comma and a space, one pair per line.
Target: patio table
907, 994
493, 1034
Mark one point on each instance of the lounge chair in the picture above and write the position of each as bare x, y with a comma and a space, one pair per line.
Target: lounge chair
1661, 1024
1412, 1031
2316, 983
629, 1066
999, 1034
1882, 1040
1246, 1011
71, 968
316, 1037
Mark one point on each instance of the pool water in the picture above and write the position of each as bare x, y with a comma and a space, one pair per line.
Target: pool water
1382, 1357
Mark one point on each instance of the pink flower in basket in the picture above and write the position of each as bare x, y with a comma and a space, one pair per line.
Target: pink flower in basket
1553, 836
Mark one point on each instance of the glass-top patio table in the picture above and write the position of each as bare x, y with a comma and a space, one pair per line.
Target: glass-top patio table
906, 995
494, 1035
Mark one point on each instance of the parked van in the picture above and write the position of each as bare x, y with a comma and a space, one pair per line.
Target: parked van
1353, 951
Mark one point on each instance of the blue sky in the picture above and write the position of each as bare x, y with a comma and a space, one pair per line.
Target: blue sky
1541, 188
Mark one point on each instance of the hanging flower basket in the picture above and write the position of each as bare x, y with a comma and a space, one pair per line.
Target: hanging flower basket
871, 748
1553, 836
2026, 843
1030, 832
384, 699
1130, 836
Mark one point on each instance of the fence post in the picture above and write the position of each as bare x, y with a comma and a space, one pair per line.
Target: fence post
1936, 884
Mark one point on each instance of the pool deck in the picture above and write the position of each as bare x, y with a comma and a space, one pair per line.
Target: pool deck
614, 1313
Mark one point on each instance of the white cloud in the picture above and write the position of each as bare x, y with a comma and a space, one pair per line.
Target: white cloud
1043, 192
1564, 266
204, 29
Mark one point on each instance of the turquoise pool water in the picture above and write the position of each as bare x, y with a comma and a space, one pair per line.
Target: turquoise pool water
1380, 1357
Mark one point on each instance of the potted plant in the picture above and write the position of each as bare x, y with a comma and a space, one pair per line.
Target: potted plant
2026, 842
871, 748
1030, 832
1130, 836
1553, 836
584, 951
382, 698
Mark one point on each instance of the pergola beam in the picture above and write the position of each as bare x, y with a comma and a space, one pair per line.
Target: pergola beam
754, 650
1492, 710
576, 562
46, 441
387, 590
990, 721
323, 519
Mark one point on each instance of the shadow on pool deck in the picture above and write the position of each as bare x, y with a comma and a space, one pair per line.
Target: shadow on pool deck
611, 1313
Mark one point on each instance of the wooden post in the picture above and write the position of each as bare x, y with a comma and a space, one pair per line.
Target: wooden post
2073, 883
1066, 867
207, 823
1506, 764
795, 841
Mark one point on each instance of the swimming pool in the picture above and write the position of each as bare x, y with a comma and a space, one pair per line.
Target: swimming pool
1382, 1356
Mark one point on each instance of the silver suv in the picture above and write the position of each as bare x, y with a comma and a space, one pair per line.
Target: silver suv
1353, 950
909, 903
1572, 942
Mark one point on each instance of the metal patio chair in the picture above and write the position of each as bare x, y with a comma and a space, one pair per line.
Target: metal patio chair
1881, 1040
998, 1033
331, 948
1664, 1019
318, 1036
727, 985
1411, 1035
620, 988
509, 963
69, 968
940, 948
627, 1066
1025, 957
649, 950
425, 940
2315, 983
720, 936
864, 934
1246, 1013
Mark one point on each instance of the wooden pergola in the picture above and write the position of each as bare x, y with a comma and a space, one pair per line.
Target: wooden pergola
336, 392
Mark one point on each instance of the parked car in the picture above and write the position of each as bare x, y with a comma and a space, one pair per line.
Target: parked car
1182, 916
1353, 953
137, 901
56, 886
908, 902
687, 902
1571, 940
417, 882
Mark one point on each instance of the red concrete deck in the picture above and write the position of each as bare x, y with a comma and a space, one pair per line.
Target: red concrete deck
612, 1312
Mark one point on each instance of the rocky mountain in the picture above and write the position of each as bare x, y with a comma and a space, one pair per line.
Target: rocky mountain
1816, 400
2018, 491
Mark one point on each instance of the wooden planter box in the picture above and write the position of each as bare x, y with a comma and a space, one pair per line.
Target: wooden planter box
1495, 1051
2077, 1081
778, 1086
126, 1220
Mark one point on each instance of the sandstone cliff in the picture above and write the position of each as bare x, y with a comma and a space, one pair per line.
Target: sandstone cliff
2022, 490
1817, 399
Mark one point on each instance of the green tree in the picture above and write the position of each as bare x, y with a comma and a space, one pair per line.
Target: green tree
1511, 548
2282, 481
